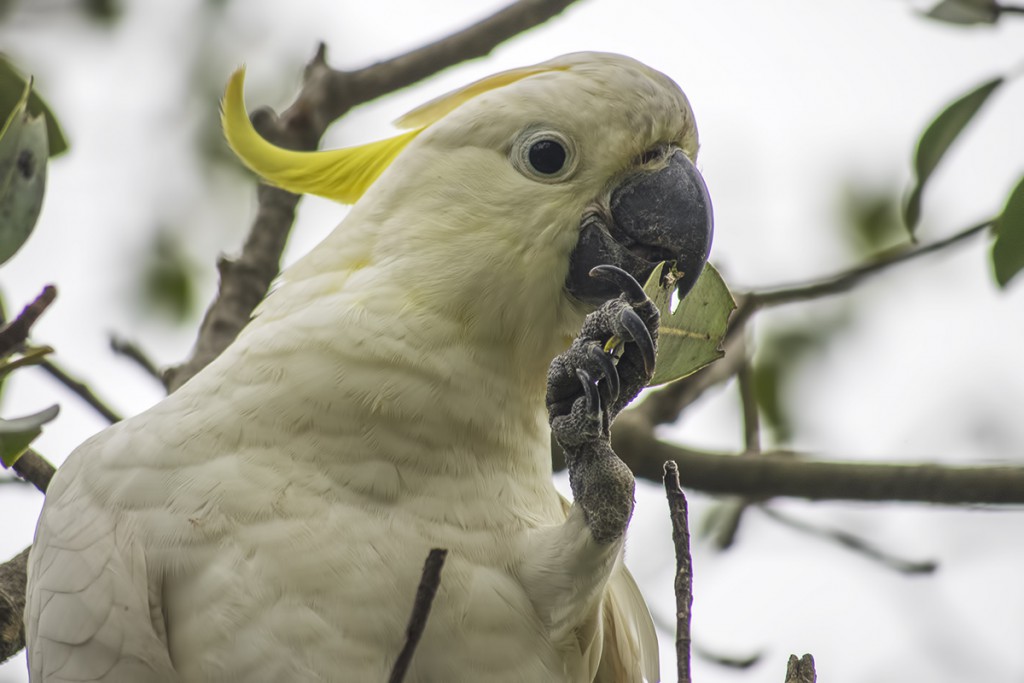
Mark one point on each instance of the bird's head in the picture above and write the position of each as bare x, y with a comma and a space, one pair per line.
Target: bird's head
520, 183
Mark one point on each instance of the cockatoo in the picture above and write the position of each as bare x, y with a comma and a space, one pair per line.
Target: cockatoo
396, 392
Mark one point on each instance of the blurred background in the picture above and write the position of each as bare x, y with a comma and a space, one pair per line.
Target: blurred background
809, 113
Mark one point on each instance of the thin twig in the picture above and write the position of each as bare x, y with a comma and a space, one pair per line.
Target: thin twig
81, 390
684, 567
131, 351
425, 592
748, 401
15, 333
801, 670
34, 469
854, 543
845, 281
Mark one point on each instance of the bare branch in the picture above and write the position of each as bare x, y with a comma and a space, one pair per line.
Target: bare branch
800, 670
14, 334
131, 351
326, 95
34, 469
854, 543
81, 390
684, 567
12, 602
786, 474
425, 592
847, 280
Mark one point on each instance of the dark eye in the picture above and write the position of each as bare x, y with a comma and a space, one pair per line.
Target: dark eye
547, 156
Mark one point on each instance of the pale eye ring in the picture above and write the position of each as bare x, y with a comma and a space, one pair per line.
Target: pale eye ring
544, 155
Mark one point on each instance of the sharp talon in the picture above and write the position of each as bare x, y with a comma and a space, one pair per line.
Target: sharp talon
634, 293
640, 335
607, 369
590, 389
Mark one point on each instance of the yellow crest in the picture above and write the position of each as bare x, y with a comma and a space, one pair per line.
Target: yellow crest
437, 108
341, 174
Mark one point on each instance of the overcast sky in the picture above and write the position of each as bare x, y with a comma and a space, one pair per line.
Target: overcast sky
793, 99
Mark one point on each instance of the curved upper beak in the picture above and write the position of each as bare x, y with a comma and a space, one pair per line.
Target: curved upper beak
654, 215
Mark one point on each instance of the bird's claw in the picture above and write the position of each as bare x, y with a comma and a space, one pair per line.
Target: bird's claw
615, 351
631, 289
637, 332
604, 369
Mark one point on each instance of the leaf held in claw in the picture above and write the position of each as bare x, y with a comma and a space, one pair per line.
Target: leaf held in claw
17, 434
689, 337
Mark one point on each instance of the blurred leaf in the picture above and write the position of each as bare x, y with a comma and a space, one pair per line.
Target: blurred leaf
872, 218
1008, 249
105, 11
23, 154
17, 434
12, 85
168, 274
691, 336
965, 12
780, 353
937, 139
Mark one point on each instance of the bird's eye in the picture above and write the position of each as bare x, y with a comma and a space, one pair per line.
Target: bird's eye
547, 156
544, 155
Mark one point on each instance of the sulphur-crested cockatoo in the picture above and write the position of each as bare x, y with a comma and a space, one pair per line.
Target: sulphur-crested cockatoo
269, 520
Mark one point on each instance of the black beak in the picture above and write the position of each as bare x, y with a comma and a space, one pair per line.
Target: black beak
655, 215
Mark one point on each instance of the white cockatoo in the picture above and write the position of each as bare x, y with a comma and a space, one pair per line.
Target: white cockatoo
396, 392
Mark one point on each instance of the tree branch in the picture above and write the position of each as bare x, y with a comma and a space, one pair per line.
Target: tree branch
12, 601
81, 390
430, 580
15, 333
36, 470
326, 95
854, 543
801, 670
847, 280
131, 351
785, 474
683, 583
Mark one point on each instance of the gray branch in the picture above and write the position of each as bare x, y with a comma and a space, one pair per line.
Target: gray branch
774, 474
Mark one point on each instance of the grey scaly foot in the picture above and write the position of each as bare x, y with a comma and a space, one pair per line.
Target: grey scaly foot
588, 386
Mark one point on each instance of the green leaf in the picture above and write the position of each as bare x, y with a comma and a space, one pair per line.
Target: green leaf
965, 12
691, 336
1008, 249
12, 85
16, 435
937, 139
23, 153
168, 279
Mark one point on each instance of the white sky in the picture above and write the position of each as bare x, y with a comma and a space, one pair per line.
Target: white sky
792, 97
